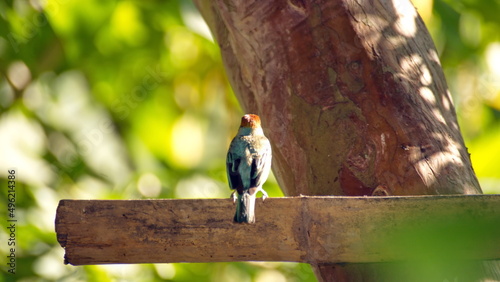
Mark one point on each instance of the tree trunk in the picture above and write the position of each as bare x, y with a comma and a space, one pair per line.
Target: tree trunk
351, 95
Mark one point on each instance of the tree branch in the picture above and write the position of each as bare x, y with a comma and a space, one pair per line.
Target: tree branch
300, 229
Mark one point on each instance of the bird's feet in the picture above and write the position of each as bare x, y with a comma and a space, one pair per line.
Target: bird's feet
264, 194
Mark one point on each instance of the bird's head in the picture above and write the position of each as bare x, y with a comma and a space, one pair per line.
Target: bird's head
250, 121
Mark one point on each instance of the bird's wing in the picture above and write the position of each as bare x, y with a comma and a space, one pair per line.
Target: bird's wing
261, 164
233, 176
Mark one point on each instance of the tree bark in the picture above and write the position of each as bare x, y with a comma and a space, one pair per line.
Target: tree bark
351, 95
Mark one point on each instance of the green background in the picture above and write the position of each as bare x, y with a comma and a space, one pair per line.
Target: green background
129, 100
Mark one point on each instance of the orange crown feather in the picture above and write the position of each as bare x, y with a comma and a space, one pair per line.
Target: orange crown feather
251, 121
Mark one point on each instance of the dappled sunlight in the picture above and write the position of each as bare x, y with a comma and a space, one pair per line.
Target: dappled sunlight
431, 166
439, 117
395, 42
427, 126
427, 95
130, 100
434, 57
410, 63
406, 18
382, 23
425, 76
445, 101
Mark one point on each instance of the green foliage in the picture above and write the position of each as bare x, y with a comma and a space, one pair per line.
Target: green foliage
129, 100
467, 38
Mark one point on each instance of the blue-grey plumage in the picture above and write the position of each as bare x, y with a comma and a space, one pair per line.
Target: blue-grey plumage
248, 165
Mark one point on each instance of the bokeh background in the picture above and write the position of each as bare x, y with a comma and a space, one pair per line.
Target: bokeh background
129, 100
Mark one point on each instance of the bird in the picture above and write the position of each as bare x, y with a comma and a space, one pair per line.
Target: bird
248, 164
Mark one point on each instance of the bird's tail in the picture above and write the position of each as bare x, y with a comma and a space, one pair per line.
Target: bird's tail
245, 208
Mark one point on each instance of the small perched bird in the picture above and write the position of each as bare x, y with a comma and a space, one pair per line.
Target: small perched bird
248, 164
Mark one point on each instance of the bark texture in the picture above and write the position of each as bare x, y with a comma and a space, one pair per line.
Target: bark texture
334, 229
351, 95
